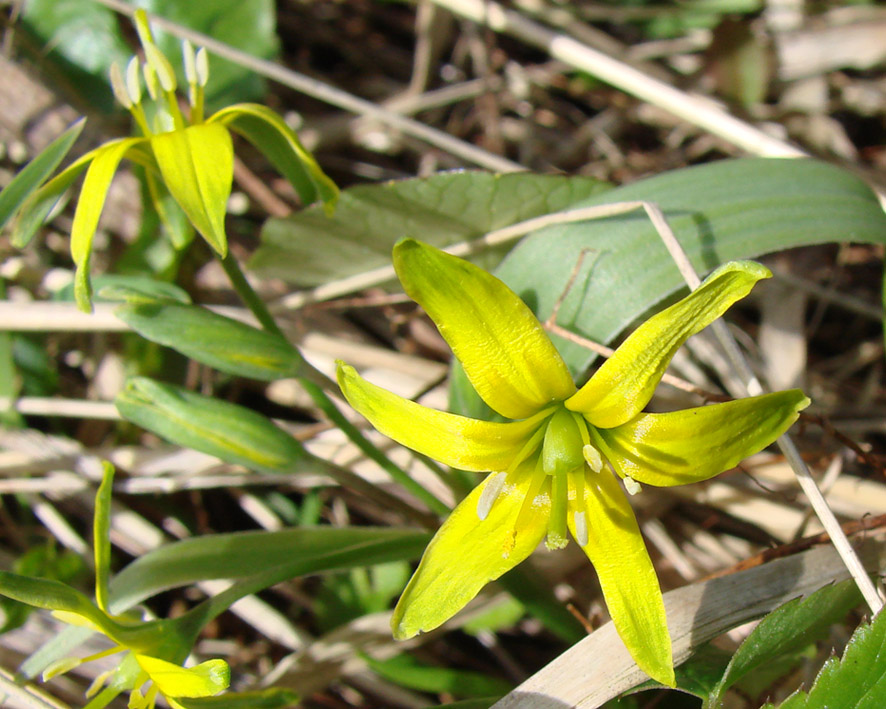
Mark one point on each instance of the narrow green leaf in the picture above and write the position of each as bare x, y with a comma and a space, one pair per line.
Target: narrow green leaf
291, 552
269, 133
857, 681
408, 672
233, 433
115, 287
309, 248
47, 594
273, 698
101, 539
35, 172
788, 628
220, 342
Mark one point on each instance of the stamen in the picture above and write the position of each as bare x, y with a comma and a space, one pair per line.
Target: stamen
592, 458
151, 81
190, 62
202, 62
59, 667
631, 485
118, 86
580, 519
133, 84
97, 683
490, 495
162, 67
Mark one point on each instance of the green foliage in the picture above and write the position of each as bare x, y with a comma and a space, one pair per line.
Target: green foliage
85, 39
228, 431
733, 209
309, 248
408, 672
344, 597
44, 561
857, 681
272, 698
220, 342
37, 171
786, 630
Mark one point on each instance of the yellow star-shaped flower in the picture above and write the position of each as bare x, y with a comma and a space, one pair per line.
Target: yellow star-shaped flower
562, 462
188, 157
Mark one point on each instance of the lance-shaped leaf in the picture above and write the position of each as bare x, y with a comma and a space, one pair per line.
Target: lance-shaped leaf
197, 164
278, 143
233, 433
218, 341
36, 171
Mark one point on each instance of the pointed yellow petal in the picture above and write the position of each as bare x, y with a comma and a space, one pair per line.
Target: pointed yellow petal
458, 441
506, 354
467, 553
89, 207
204, 680
197, 164
623, 385
695, 444
627, 578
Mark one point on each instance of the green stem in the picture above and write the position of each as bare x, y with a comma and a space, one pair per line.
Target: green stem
314, 383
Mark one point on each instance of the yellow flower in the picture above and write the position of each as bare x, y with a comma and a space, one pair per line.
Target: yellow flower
558, 464
154, 649
189, 158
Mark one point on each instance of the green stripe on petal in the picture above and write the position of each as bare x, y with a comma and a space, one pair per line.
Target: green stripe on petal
197, 164
458, 441
467, 553
624, 384
506, 353
627, 577
695, 444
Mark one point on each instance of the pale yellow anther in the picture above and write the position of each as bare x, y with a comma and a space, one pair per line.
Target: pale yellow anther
118, 86
150, 80
631, 485
490, 495
592, 458
59, 667
133, 81
189, 61
202, 66
161, 66
580, 519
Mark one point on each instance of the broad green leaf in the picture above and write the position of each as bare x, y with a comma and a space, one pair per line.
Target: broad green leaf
220, 342
309, 248
272, 698
293, 552
698, 675
408, 672
270, 134
857, 681
789, 628
230, 432
37, 171
723, 211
